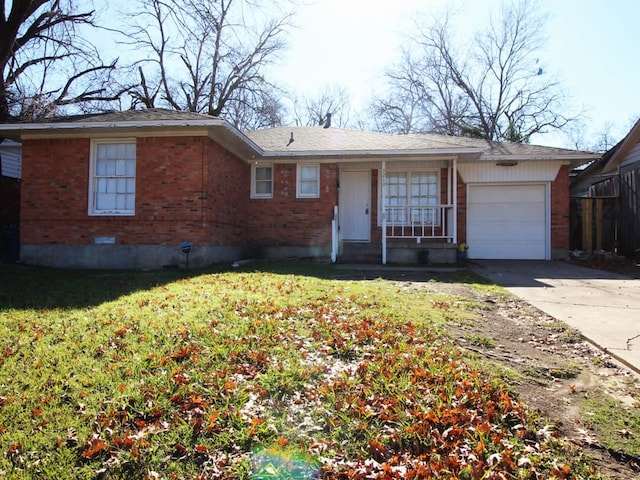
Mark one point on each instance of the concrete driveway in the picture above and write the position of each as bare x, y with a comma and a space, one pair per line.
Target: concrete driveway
604, 306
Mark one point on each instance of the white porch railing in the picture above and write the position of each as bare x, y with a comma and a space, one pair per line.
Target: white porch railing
419, 222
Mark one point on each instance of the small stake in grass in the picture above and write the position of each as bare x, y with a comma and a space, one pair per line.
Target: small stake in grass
186, 248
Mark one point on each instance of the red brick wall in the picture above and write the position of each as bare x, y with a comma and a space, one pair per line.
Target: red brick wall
560, 217
178, 189
54, 191
285, 220
227, 197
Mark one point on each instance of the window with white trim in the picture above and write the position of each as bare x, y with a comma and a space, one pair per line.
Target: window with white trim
112, 183
308, 184
262, 180
407, 193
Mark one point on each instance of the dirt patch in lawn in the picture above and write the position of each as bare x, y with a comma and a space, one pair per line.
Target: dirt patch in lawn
557, 370
554, 370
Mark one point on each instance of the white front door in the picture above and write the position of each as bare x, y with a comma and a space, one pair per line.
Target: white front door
355, 205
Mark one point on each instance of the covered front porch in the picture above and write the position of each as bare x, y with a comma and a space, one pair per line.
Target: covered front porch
401, 212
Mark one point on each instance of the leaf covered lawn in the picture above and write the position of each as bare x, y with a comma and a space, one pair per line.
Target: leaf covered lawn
251, 375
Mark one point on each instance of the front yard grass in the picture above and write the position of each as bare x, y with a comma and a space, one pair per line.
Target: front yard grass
268, 372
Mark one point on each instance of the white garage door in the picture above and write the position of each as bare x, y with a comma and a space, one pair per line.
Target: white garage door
507, 222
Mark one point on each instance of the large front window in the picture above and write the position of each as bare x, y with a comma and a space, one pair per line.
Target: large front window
409, 196
112, 186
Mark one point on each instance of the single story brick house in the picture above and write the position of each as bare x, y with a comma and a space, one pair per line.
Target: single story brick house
126, 189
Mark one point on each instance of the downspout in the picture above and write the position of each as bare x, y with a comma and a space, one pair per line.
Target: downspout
618, 214
383, 210
205, 171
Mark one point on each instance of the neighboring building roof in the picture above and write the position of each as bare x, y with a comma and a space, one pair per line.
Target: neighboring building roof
605, 167
612, 158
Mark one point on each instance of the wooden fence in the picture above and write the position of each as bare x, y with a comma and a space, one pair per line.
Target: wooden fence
610, 218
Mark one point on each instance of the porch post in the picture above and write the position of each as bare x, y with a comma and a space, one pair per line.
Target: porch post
383, 212
334, 235
454, 231
448, 215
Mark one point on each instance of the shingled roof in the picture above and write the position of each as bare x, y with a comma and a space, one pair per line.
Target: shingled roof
319, 141
288, 142
128, 116
148, 122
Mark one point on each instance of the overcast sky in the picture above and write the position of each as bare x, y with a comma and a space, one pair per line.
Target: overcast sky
591, 49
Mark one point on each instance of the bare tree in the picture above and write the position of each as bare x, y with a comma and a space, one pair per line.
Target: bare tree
313, 109
407, 107
585, 135
493, 88
46, 64
253, 110
206, 56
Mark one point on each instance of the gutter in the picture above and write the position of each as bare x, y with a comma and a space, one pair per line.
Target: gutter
524, 158
241, 136
213, 121
444, 152
18, 131
39, 127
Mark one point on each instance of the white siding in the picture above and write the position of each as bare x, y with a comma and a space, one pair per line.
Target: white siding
524, 171
11, 159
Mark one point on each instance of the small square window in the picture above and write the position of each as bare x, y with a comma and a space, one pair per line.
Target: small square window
262, 180
308, 181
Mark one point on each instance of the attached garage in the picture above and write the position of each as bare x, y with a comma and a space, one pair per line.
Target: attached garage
508, 221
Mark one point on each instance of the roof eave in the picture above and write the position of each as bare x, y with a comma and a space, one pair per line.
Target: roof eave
379, 153
217, 129
572, 158
19, 128
237, 142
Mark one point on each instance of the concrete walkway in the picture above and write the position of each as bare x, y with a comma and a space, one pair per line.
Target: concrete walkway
604, 306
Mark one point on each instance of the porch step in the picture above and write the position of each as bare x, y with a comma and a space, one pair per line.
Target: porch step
360, 252
406, 253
